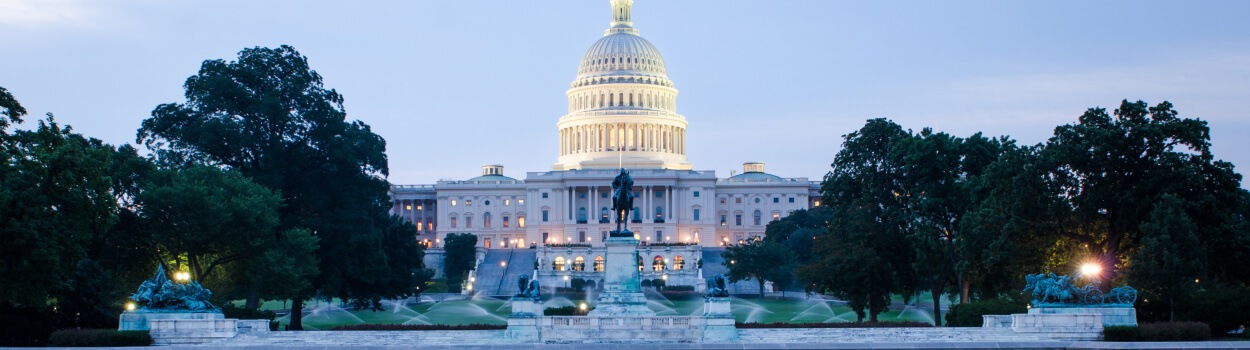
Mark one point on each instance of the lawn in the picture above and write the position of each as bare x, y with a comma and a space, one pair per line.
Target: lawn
485, 310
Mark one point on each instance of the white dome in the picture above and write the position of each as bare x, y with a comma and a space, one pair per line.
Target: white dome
622, 56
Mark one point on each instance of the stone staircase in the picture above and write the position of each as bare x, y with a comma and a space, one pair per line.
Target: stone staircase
498, 279
714, 264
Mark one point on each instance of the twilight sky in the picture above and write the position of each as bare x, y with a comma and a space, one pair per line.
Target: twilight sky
453, 85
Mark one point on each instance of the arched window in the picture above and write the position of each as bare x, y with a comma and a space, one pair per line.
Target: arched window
468, 221
581, 215
657, 263
678, 262
757, 217
453, 221
559, 264
598, 264
579, 264
486, 220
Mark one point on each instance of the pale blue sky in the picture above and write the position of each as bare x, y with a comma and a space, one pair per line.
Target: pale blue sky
453, 85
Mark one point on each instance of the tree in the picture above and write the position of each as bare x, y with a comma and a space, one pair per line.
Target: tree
1108, 171
459, 256
797, 231
205, 219
10, 109
268, 116
54, 196
760, 261
867, 226
1171, 259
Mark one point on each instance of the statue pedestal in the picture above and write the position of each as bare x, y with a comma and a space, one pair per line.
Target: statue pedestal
140, 320
718, 320
622, 293
523, 322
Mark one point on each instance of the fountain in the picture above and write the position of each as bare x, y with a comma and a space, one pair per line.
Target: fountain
621, 313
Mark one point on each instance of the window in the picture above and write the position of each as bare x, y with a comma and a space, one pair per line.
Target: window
776, 216
545, 237
657, 263
738, 200
468, 221
507, 202
520, 221
581, 236
696, 214
581, 215
486, 220
659, 236
505, 221
598, 264
659, 214
581, 195
487, 202
468, 202
486, 243
722, 200
757, 200
791, 199
659, 195
722, 219
696, 194
603, 195
520, 202
559, 265
817, 204
738, 219
637, 215
453, 222
757, 216
579, 264
776, 200
408, 207
453, 202
544, 215
678, 262
544, 194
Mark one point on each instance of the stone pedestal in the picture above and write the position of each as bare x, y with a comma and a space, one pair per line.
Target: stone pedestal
196, 331
1111, 316
622, 294
523, 321
718, 321
139, 320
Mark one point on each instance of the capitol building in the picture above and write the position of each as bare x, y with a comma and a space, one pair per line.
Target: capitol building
622, 113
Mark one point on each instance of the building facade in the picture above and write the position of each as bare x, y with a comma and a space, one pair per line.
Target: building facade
622, 113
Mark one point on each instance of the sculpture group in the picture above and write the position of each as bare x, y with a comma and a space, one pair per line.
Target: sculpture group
159, 294
1050, 290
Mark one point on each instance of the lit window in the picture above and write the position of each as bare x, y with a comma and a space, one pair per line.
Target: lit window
776, 216
598, 264
419, 207
817, 203
520, 201
559, 265
468, 202
722, 201
520, 221
507, 202
453, 222
505, 221
757, 216
468, 221
453, 202
722, 221
408, 207
486, 220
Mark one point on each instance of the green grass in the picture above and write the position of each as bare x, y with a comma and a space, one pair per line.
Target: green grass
325, 315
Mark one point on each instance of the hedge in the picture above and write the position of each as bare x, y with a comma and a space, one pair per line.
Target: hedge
98, 337
565, 311
969, 315
419, 327
1158, 331
879, 324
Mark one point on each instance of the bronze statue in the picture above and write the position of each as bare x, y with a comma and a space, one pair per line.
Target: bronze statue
622, 202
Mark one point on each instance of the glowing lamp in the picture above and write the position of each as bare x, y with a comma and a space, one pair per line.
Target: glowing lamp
1091, 269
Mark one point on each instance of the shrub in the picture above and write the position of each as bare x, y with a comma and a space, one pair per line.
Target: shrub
420, 327
1224, 308
98, 337
570, 310
231, 311
1174, 331
969, 315
1120, 333
435, 286
1158, 331
880, 324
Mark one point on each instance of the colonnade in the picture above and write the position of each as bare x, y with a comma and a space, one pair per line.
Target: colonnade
420, 212
602, 99
611, 137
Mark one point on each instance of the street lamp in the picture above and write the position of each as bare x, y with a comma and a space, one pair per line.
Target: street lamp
130, 306
182, 276
1091, 270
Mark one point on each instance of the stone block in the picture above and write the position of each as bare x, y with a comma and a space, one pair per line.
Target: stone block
255, 327
1111, 316
996, 321
192, 331
139, 320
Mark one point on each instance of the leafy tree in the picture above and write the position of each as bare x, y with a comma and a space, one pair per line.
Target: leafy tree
268, 116
1107, 171
459, 256
54, 197
10, 109
873, 256
760, 261
797, 230
205, 218
1170, 261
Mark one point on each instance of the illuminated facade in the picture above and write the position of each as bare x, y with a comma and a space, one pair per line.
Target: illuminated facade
622, 113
